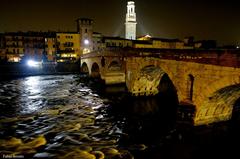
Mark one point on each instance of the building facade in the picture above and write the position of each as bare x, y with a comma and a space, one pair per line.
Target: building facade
14, 46
116, 42
97, 41
34, 46
131, 21
68, 47
22, 46
158, 43
51, 46
2, 50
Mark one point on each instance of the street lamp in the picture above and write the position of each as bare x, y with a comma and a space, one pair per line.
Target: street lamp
86, 42
32, 63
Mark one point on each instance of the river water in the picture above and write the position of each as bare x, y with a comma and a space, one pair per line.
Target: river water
71, 117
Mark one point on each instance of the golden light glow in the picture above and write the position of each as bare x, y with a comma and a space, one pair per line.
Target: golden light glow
14, 59
69, 55
85, 51
146, 37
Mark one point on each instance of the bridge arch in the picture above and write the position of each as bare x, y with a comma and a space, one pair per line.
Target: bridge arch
167, 88
152, 80
84, 68
114, 66
147, 80
236, 111
95, 70
207, 93
220, 106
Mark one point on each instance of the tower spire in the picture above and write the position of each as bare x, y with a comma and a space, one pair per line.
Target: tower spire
131, 21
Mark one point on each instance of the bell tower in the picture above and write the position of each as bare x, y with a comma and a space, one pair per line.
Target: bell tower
131, 21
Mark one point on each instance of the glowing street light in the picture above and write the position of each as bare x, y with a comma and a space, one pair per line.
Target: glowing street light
86, 42
32, 63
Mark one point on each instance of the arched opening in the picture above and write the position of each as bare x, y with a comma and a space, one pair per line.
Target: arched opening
84, 69
114, 66
190, 83
223, 105
167, 89
151, 111
235, 120
95, 71
236, 111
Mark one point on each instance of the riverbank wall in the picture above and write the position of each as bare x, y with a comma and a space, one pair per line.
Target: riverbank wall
9, 70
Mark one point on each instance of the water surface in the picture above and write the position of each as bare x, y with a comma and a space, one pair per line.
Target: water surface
72, 117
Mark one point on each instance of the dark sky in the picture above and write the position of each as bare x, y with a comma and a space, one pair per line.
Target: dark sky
203, 19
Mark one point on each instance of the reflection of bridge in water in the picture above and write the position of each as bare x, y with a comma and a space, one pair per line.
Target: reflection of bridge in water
206, 79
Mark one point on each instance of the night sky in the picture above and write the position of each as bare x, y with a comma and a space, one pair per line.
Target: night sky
217, 20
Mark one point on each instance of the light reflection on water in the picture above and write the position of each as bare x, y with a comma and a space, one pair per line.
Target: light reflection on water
57, 107
66, 112
30, 94
72, 116
32, 86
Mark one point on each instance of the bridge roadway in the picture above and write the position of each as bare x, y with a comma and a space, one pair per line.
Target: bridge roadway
209, 80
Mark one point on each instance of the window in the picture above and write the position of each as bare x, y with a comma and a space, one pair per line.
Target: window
86, 30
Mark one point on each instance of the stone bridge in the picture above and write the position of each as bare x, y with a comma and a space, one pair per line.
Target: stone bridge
209, 80
107, 65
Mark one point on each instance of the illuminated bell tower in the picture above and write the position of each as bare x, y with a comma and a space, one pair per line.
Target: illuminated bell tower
131, 22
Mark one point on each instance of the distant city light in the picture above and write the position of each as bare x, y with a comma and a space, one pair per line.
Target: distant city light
147, 36
85, 50
86, 41
32, 63
237, 47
